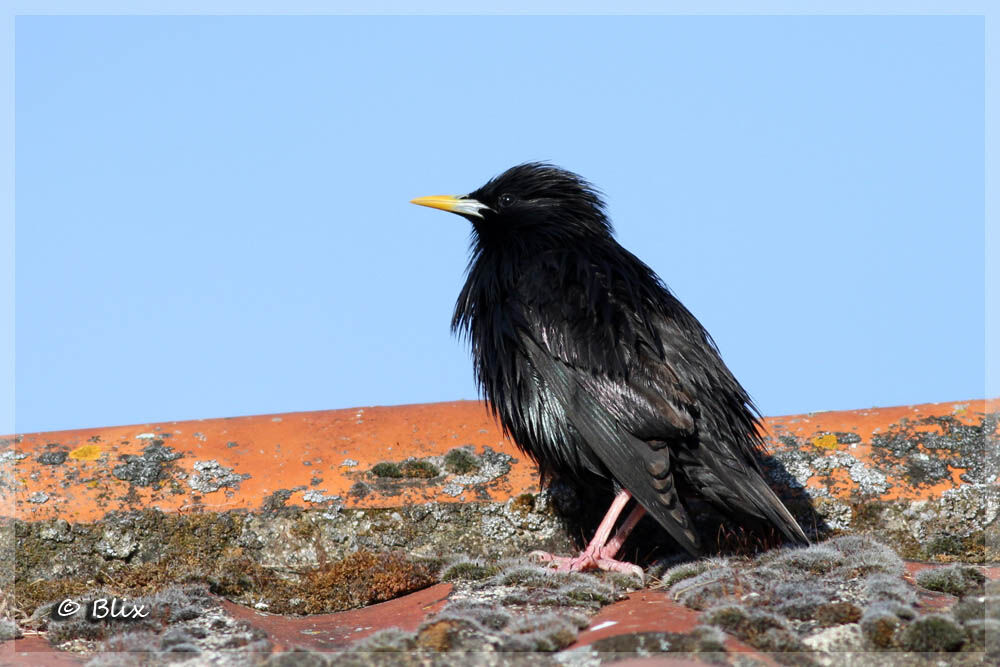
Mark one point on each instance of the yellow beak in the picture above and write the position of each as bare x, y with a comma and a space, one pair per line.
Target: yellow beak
452, 204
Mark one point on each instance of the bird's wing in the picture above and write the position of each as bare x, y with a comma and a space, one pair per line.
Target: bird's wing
644, 471
631, 380
722, 462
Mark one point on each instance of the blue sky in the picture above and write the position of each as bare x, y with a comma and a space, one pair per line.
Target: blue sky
213, 219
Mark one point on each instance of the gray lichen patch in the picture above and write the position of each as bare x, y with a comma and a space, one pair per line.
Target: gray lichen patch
922, 451
458, 472
917, 454
952, 527
870, 482
478, 471
319, 497
10, 456
210, 476
116, 542
794, 466
53, 455
831, 491
148, 469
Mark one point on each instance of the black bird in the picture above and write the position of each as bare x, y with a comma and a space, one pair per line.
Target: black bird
594, 367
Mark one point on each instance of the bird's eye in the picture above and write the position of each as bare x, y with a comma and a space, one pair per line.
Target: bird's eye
506, 200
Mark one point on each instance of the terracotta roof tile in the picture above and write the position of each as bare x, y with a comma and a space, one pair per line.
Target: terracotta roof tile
312, 457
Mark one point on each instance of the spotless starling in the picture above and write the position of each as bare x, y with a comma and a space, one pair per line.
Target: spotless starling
596, 370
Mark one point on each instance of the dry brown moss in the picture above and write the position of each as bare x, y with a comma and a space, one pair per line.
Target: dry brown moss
359, 579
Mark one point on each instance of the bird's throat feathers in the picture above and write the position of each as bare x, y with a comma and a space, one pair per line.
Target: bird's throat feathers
585, 298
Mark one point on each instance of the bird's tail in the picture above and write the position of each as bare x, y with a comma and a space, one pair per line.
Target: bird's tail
734, 486
768, 504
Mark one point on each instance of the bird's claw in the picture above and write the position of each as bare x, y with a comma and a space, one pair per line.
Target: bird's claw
587, 561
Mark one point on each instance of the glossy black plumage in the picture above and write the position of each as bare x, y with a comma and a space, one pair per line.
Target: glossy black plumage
593, 366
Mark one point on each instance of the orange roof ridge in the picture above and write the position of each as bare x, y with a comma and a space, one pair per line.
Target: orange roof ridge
456, 451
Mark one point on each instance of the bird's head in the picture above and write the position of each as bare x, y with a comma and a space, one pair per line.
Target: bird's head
529, 201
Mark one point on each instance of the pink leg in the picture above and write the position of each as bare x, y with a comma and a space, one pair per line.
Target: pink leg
601, 551
618, 540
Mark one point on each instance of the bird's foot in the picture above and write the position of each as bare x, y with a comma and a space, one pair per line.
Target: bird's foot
587, 560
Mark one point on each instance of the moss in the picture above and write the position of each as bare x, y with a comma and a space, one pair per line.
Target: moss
945, 545
882, 587
864, 555
468, 570
973, 549
31, 595
837, 613
419, 469
932, 633
591, 594
9, 629
624, 581
587, 593
148, 578
386, 469
531, 576
702, 639
58, 560
779, 640
412, 469
800, 605
907, 546
642, 644
59, 633
942, 523
388, 640
160, 607
439, 635
360, 579
970, 608
275, 503
983, 635
303, 528
867, 515
955, 580
471, 626
681, 572
540, 632
359, 490
706, 589
730, 618
461, 461
482, 615
818, 559
973, 607
524, 503
879, 627
758, 628
474, 625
